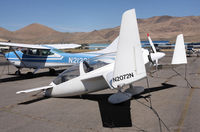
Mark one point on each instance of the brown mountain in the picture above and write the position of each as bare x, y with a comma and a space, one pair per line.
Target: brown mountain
166, 27
159, 27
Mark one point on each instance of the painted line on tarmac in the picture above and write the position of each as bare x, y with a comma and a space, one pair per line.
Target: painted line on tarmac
185, 110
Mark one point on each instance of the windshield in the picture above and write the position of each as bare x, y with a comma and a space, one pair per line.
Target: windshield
88, 66
68, 74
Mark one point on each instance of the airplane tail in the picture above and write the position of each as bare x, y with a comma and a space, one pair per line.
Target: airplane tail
179, 56
129, 63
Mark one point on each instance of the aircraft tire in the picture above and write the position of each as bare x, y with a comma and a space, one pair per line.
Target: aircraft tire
18, 72
52, 71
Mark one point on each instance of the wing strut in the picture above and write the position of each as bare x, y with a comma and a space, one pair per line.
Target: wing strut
18, 57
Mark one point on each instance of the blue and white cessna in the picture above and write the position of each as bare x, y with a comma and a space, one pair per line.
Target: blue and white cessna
48, 56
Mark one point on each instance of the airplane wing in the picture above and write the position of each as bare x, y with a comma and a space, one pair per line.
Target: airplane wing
23, 45
64, 46
35, 89
43, 46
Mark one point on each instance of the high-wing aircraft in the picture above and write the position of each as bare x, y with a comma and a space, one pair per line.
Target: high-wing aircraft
48, 56
114, 70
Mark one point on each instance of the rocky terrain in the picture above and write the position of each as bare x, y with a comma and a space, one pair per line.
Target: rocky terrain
159, 27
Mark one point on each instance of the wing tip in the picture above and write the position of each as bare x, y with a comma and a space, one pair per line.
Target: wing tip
20, 92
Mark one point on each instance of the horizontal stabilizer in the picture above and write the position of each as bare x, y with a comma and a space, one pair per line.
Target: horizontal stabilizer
35, 89
119, 97
179, 56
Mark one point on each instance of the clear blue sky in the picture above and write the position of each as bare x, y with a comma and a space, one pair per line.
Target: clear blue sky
87, 15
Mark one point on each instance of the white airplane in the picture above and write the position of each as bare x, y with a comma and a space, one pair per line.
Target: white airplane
114, 70
48, 56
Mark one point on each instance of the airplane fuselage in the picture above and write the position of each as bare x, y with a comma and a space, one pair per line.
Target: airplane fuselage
91, 81
87, 83
54, 60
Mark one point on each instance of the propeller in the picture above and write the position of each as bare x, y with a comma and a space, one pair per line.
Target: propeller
154, 54
154, 51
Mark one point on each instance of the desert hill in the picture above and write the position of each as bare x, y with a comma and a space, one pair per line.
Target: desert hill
159, 27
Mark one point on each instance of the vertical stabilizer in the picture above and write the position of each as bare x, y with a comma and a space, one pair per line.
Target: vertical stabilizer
129, 65
179, 56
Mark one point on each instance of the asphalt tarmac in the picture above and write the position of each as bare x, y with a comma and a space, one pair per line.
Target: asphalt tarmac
169, 104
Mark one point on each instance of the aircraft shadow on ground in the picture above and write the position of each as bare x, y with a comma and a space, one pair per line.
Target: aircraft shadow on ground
112, 116
28, 76
33, 100
119, 115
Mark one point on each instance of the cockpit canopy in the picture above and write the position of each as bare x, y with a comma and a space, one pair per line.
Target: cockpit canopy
88, 66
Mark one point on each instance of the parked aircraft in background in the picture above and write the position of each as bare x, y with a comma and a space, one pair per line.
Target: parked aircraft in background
47, 56
114, 70
191, 50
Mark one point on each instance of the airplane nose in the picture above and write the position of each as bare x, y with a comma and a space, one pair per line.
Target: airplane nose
160, 55
157, 55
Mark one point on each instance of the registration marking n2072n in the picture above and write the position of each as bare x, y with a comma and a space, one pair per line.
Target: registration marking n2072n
123, 77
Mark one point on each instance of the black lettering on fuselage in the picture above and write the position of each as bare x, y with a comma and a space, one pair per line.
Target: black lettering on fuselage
122, 77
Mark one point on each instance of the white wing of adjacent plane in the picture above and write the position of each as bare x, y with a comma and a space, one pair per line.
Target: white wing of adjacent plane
35, 89
37, 46
179, 56
64, 46
129, 63
23, 45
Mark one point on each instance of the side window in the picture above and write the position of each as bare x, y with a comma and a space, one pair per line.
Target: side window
38, 52
24, 51
30, 52
34, 51
50, 53
46, 52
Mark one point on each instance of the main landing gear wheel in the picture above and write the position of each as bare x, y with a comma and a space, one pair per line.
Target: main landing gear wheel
52, 71
18, 72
